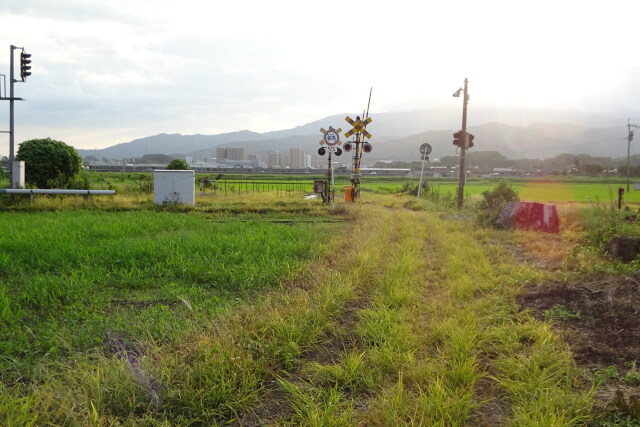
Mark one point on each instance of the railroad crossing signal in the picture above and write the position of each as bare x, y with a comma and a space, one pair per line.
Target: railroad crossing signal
359, 126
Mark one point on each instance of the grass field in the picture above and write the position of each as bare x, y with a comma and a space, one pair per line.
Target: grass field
267, 308
71, 278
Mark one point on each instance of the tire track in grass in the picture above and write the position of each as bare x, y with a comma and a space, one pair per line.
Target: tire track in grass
333, 297
336, 388
475, 350
439, 345
436, 341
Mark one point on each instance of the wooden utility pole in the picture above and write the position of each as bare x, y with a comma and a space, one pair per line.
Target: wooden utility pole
463, 147
629, 139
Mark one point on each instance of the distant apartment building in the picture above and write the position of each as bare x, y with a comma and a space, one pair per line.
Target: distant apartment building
296, 158
318, 162
256, 160
275, 159
230, 153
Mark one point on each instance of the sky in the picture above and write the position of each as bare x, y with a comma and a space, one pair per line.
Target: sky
107, 72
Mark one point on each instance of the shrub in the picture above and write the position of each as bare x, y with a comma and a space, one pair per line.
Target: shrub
49, 163
493, 200
412, 189
604, 221
178, 165
496, 198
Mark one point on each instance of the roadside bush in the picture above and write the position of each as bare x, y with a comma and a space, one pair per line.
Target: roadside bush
493, 200
146, 183
429, 192
412, 189
178, 165
446, 199
49, 163
602, 222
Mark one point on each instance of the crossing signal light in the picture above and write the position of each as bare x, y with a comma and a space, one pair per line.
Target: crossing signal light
322, 151
470, 140
457, 138
366, 147
347, 146
338, 151
25, 67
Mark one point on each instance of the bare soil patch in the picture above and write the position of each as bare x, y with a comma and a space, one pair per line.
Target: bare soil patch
599, 318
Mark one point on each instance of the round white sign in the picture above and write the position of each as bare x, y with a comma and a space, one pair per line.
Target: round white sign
331, 137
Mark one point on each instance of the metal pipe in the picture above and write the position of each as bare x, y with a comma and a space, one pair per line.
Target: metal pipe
54, 191
424, 159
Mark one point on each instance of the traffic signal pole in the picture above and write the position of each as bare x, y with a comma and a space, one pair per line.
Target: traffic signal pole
463, 147
24, 73
11, 119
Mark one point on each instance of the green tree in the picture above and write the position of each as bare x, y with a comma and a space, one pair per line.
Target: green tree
178, 165
49, 163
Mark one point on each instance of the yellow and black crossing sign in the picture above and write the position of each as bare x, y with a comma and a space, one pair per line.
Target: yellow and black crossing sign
359, 126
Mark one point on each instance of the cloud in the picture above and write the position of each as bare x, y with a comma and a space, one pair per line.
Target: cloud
71, 10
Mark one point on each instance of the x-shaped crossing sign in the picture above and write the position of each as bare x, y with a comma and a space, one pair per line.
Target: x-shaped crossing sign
359, 126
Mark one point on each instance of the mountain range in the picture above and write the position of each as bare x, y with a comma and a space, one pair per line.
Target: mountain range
514, 133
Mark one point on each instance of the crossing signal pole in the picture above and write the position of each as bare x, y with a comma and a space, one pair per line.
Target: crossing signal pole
359, 145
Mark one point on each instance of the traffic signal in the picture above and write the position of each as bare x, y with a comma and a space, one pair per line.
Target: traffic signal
470, 140
25, 60
347, 146
366, 147
458, 138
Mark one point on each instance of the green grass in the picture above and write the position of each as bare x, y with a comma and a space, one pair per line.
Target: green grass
207, 315
70, 278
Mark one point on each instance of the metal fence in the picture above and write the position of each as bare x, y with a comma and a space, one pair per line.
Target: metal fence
238, 187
